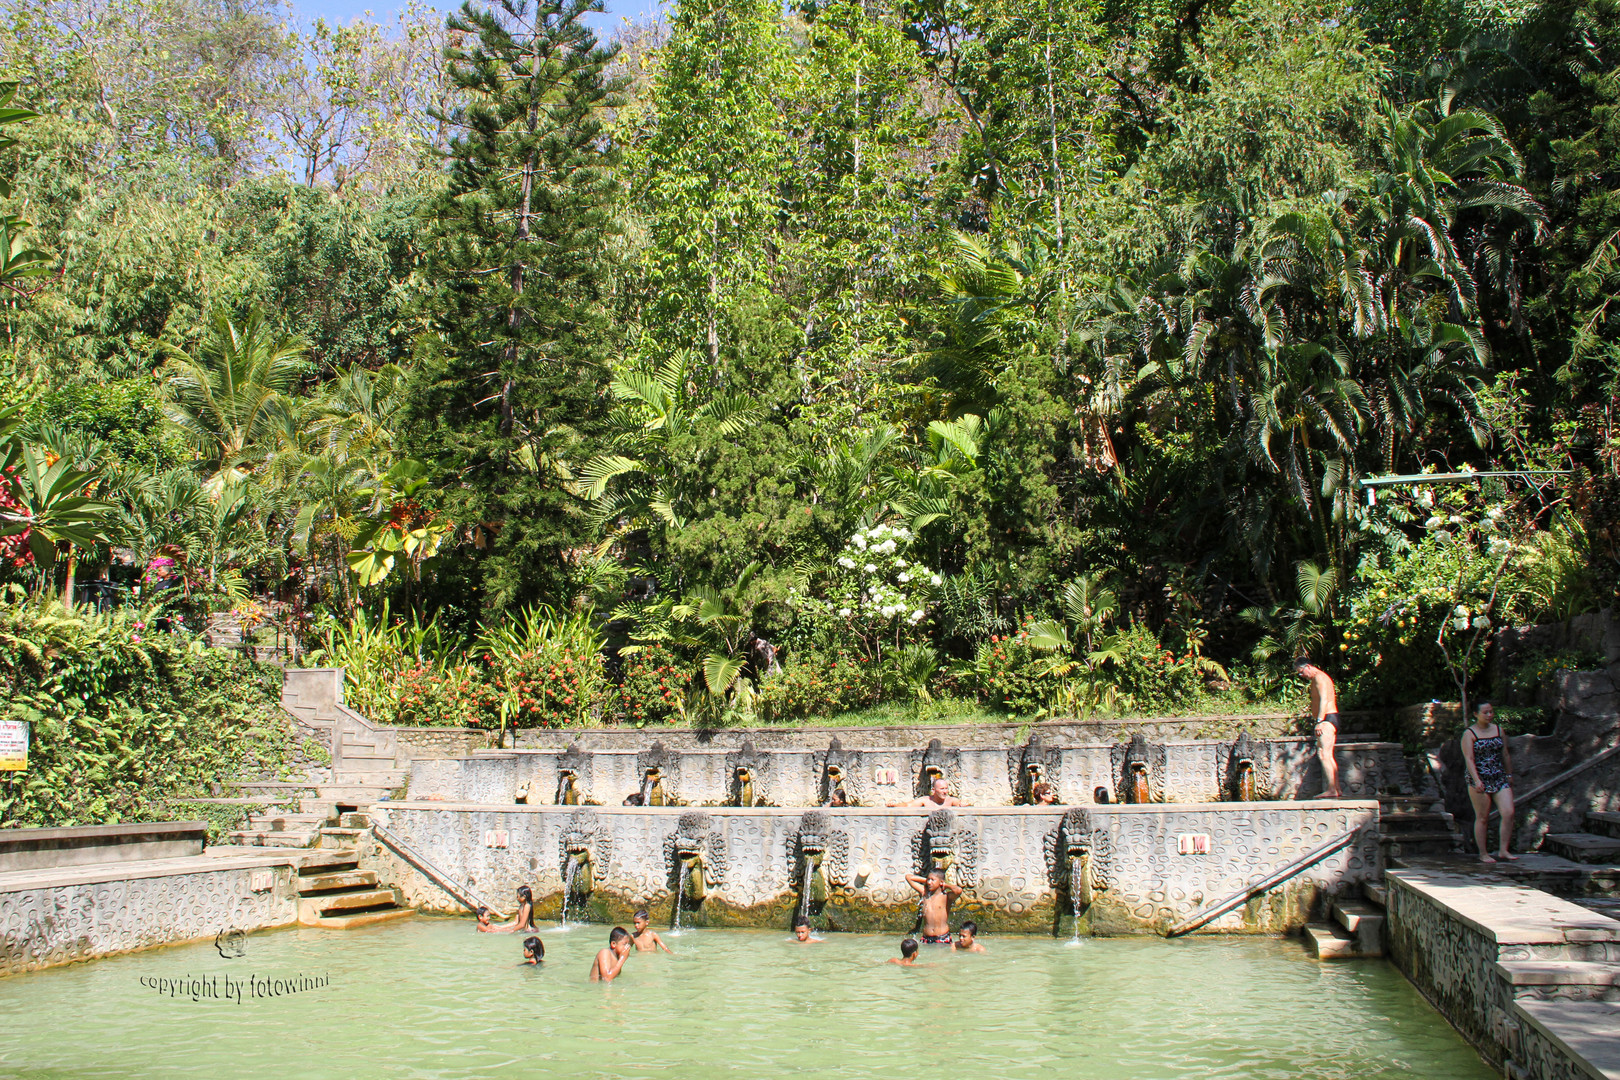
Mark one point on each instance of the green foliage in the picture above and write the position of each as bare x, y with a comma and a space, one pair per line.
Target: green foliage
125, 717
654, 687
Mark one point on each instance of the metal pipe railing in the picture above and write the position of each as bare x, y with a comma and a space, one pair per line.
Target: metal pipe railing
1562, 778
463, 895
1260, 885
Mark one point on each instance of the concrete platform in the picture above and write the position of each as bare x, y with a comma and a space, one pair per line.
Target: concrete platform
1585, 1033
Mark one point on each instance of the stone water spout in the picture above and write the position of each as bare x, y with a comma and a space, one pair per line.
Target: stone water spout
1140, 767
944, 845
658, 768
818, 855
584, 849
935, 762
840, 775
1034, 763
573, 776
1248, 769
748, 769
1077, 869
696, 856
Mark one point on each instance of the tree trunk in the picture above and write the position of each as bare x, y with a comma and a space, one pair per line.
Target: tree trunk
67, 589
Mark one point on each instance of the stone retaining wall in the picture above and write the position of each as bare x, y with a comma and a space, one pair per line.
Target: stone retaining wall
1179, 772
1011, 861
79, 913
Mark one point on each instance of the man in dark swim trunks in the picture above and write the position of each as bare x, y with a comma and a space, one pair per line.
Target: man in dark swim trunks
1325, 710
935, 906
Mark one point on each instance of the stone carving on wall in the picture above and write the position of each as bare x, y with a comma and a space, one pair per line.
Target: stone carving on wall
695, 835
1139, 768
942, 843
660, 772
584, 834
1077, 832
839, 769
817, 836
936, 760
748, 774
573, 777
1247, 767
1030, 764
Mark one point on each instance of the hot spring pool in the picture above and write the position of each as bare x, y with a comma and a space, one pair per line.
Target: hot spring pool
431, 998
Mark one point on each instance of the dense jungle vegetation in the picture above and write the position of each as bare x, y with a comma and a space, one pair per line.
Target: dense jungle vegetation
778, 361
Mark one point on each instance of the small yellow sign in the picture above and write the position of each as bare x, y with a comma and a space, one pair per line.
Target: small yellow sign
13, 745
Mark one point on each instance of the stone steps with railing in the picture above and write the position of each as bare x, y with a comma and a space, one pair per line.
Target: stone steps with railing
334, 893
1356, 932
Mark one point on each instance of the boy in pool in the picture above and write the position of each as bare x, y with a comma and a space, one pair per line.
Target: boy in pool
935, 908
484, 925
534, 950
610, 961
645, 938
801, 931
908, 954
966, 938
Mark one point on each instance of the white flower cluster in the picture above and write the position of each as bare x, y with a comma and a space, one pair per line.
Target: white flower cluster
879, 585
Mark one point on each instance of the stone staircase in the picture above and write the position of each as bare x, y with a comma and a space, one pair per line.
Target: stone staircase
1415, 825
334, 893
1357, 929
1594, 879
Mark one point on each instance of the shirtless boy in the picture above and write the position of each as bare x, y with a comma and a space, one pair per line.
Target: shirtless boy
484, 925
1325, 711
938, 795
967, 938
801, 931
610, 961
645, 938
908, 954
935, 908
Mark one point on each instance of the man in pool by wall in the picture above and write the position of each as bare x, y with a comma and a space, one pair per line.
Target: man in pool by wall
610, 961
935, 907
938, 795
644, 937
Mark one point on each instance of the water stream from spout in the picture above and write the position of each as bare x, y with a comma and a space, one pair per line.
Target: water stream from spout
680, 894
804, 896
646, 789
1075, 872
570, 872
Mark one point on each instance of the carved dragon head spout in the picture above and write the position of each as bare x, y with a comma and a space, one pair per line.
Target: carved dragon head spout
747, 768
1247, 767
696, 855
946, 844
1033, 764
1141, 766
657, 767
818, 856
839, 771
585, 848
572, 769
935, 762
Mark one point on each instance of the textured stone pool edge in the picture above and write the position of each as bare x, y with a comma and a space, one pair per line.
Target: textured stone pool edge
59, 915
1503, 963
1152, 865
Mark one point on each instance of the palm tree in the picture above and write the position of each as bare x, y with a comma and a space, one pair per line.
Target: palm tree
230, 400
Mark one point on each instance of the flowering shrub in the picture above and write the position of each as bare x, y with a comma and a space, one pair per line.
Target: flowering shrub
1008, 675
821, 684
461, 696
551, 687
654, 687
874, 589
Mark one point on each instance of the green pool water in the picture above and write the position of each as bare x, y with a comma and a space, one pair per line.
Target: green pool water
430, 998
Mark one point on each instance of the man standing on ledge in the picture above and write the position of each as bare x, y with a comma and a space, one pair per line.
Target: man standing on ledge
1325, 710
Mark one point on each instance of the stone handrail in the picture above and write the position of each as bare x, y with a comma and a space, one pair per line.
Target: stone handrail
1556, 781
463, 895
1264, 884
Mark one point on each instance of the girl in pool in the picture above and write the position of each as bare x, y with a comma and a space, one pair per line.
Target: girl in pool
525, 911
1490, 776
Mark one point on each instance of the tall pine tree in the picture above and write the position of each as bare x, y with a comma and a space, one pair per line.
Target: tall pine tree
518, 380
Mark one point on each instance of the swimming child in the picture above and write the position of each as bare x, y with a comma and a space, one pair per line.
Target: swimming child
484, 925
801, 931
534, 950
525, 913
908, 954
935, 907
966, 938
610, 961
645, 938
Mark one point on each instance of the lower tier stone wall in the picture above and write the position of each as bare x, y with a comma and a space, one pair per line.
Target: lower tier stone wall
1448, 932
1010, 861
79, 913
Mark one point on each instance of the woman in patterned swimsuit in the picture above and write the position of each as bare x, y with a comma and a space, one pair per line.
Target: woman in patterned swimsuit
1490, 776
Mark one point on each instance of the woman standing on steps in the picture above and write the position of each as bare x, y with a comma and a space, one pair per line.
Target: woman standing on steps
1490, 776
